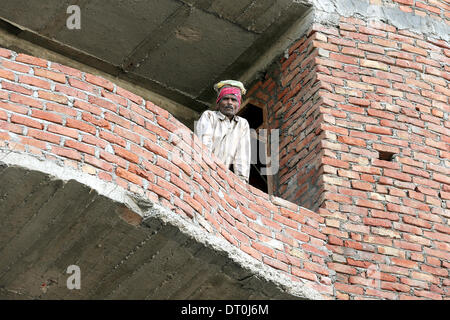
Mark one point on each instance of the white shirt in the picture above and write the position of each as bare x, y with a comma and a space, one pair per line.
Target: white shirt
228, 140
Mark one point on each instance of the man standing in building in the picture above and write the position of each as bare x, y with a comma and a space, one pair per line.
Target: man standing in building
225, 134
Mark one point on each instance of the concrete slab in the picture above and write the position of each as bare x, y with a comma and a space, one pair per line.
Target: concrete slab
176, 48
198, 49
112, 30
53, 217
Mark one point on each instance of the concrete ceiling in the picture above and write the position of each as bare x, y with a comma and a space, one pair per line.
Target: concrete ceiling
176, 48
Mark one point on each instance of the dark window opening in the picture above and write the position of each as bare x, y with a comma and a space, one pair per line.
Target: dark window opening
256, 115
253, 114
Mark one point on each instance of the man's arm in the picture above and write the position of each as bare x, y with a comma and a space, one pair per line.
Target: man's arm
243, 154
204, 129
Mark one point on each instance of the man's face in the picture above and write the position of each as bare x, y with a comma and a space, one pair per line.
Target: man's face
229, 105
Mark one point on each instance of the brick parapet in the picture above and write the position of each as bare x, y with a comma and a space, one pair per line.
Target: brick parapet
87, 123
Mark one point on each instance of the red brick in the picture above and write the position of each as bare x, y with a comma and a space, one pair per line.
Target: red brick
5, 74
276, 264
369, 204
103, 103
415, 283
34, 143
427, 294
15, 66
156, 109
379, 130
14, 108
57, 108
417, 222
66, 70
354, 289
437, 271
153, 147
441, 178
264, 249
125, 154
77, 124
129, 95
89, 139
36, 82
98, 163
335, 162
31, 60
26, 121
128, 176
249, 250
363, 281
126, 134
53, 97
59, 77
343, 58
352, 141
63, 131
404, 263
362, 185
79, 146
438, 253
108, 136
108, 85
353, 51
5, 53
98, 122
304, 274
397, 175
3, 114
114, 97
342, 268
16, 88
48, 116
67, 153
87, 107
85, 87
377, 222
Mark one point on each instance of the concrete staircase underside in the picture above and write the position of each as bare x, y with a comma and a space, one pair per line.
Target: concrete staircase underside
48, 224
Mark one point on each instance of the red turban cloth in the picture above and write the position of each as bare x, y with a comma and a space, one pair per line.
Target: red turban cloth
230, 90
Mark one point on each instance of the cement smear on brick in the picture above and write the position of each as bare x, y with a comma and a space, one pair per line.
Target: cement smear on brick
328, 12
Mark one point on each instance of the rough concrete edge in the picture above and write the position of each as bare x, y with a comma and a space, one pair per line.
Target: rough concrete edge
147, 209
329, 11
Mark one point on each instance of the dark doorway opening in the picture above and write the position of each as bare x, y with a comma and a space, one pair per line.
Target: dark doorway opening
256, 115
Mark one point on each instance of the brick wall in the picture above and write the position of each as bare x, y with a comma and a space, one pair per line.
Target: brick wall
290, 92
364, 225
347, 98
85, 122
388, 92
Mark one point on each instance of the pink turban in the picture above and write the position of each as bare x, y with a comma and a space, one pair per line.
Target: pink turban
230, 90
